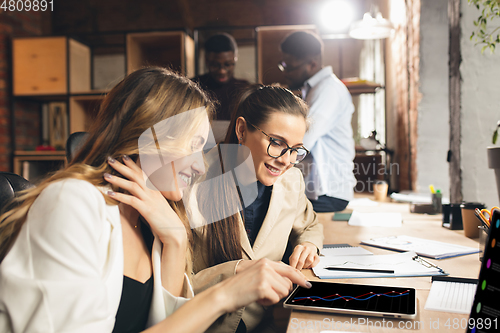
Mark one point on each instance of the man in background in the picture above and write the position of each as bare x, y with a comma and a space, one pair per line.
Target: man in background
221, 55
329, 168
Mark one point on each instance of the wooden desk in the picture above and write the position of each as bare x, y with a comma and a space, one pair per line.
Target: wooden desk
417, 225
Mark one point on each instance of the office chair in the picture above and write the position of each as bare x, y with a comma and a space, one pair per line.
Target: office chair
73, 144
10, 185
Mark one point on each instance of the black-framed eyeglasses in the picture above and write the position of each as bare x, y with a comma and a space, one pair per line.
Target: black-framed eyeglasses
284, 67
278, 148
215, 66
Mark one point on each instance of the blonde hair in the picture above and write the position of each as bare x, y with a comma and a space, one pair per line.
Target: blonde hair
141, 100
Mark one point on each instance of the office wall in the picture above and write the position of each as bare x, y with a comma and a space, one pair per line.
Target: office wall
480, 112
433, 109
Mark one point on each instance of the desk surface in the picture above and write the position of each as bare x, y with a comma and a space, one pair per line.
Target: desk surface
417, 225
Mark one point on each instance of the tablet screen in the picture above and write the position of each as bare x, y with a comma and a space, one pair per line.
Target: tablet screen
354, 298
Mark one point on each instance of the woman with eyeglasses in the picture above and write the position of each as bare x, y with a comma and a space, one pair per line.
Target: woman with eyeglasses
270, 122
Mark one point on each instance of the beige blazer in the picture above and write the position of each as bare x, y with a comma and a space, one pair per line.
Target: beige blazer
290, 219
64, 272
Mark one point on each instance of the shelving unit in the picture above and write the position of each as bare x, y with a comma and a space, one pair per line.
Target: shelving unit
174, 49
83, 110
59, 69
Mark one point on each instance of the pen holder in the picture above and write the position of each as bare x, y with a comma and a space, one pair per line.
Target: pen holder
483, 236
436, 202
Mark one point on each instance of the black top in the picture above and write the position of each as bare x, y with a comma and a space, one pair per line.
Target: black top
255, 213
135, 301
224, 93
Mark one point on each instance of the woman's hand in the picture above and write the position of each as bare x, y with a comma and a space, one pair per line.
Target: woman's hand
265, 282
304, 255
150, 203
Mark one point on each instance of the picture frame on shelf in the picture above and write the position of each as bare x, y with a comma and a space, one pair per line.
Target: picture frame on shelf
58, 125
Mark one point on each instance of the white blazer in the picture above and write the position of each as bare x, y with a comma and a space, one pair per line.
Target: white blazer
64, 272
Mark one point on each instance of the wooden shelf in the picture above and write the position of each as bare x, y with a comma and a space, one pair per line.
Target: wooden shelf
83, 110
363, 88
35, 165
41, 153
172, 49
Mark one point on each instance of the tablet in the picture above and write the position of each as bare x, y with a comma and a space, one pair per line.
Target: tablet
357, 299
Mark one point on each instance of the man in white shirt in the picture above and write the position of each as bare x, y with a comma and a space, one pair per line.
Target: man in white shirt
329, 169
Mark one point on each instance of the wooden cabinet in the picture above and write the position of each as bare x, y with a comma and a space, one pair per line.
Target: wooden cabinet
50, 66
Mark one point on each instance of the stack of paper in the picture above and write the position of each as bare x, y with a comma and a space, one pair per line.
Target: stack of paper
423, 247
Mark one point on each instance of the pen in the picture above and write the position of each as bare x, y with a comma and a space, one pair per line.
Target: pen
369, 270
431, 187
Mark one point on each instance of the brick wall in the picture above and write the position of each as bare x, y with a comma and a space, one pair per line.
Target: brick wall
27, 117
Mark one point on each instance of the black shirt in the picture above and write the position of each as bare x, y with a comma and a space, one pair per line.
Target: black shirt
255, 213
135, 302
224, 93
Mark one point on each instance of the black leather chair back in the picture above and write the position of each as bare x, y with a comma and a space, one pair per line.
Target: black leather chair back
73, 144
10, 185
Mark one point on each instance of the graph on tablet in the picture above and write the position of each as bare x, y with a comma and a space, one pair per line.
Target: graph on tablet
351, 298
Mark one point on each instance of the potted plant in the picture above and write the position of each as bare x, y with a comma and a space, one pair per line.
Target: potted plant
494, 157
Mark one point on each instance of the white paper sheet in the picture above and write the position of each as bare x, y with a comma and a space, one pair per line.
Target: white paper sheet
375, 219
362, 202
423, 247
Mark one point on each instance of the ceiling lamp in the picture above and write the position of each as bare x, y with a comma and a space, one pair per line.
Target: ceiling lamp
336, 16
371, 28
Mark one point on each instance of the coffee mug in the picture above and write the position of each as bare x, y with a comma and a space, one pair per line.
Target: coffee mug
469, 220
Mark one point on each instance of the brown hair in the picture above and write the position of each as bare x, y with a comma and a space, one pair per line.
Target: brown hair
136, 104
255, 104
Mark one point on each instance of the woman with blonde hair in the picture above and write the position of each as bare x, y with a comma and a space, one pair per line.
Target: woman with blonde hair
102, 245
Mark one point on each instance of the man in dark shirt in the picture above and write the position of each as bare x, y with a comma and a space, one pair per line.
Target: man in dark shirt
221, 54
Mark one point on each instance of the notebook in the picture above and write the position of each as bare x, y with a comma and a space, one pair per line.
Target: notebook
423, 247
343, 250
450, 294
